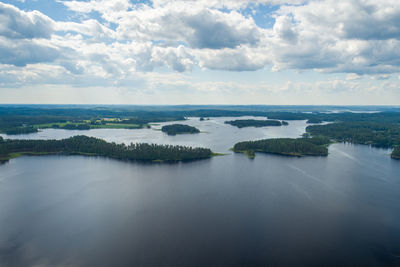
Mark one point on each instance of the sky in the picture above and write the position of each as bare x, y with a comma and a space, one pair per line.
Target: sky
272, 52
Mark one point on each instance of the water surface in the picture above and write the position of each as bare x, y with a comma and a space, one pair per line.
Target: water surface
340, 210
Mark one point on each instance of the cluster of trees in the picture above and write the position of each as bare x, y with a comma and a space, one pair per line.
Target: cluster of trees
20, 130
377, 129
94, 146
314, 120
174, 129
30, 115
146, 120
388, 117
287, 115
396, 152
378, 134
23, 124
316, 146
255, 123
27, 119
72, 126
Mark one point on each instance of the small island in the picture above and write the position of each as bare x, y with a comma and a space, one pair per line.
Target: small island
255, 123
175, 129
314, 120
316, 146
83, 145
396, 153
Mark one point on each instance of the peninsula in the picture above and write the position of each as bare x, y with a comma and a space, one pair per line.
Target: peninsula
316, 146
375, 133
83, 145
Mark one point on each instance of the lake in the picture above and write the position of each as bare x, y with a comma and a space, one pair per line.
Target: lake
340, 210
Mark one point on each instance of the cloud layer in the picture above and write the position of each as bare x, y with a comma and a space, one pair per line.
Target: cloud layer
109, 42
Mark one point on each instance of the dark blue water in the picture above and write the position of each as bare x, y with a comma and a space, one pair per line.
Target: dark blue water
340, 210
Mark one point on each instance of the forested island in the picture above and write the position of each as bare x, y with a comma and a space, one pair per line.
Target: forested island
175, 129
316, 146
314, 120
91, 146
255, 123
396, 153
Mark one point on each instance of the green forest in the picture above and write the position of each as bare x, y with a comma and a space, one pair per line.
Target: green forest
316, 146
255, 123
315, 120
175, 129
28, 119
396, 152
20, 130
97, 147
379, 129
378, 134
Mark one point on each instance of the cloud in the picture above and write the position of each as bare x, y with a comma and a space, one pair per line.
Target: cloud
90, 27
25, 52
24, 37
17, 24
101, 6
358, 37
352, 76
228, 4
352, 19
182, 23
178, 59
239, 59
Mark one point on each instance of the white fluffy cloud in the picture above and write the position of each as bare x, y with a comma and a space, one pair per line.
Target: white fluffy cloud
355, 36
197, 27
334, 36
23, 52
229, 4
238, 59
90, 27
23, 37
17, 24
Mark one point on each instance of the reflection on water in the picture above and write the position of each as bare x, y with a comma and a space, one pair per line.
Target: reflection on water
340, 210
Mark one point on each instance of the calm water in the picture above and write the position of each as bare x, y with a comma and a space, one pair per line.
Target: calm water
342, 210
215, 134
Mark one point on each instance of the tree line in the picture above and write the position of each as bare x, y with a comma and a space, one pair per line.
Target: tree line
378, 134
316, 146
94, 146
396, 152
255, 123
174, 129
